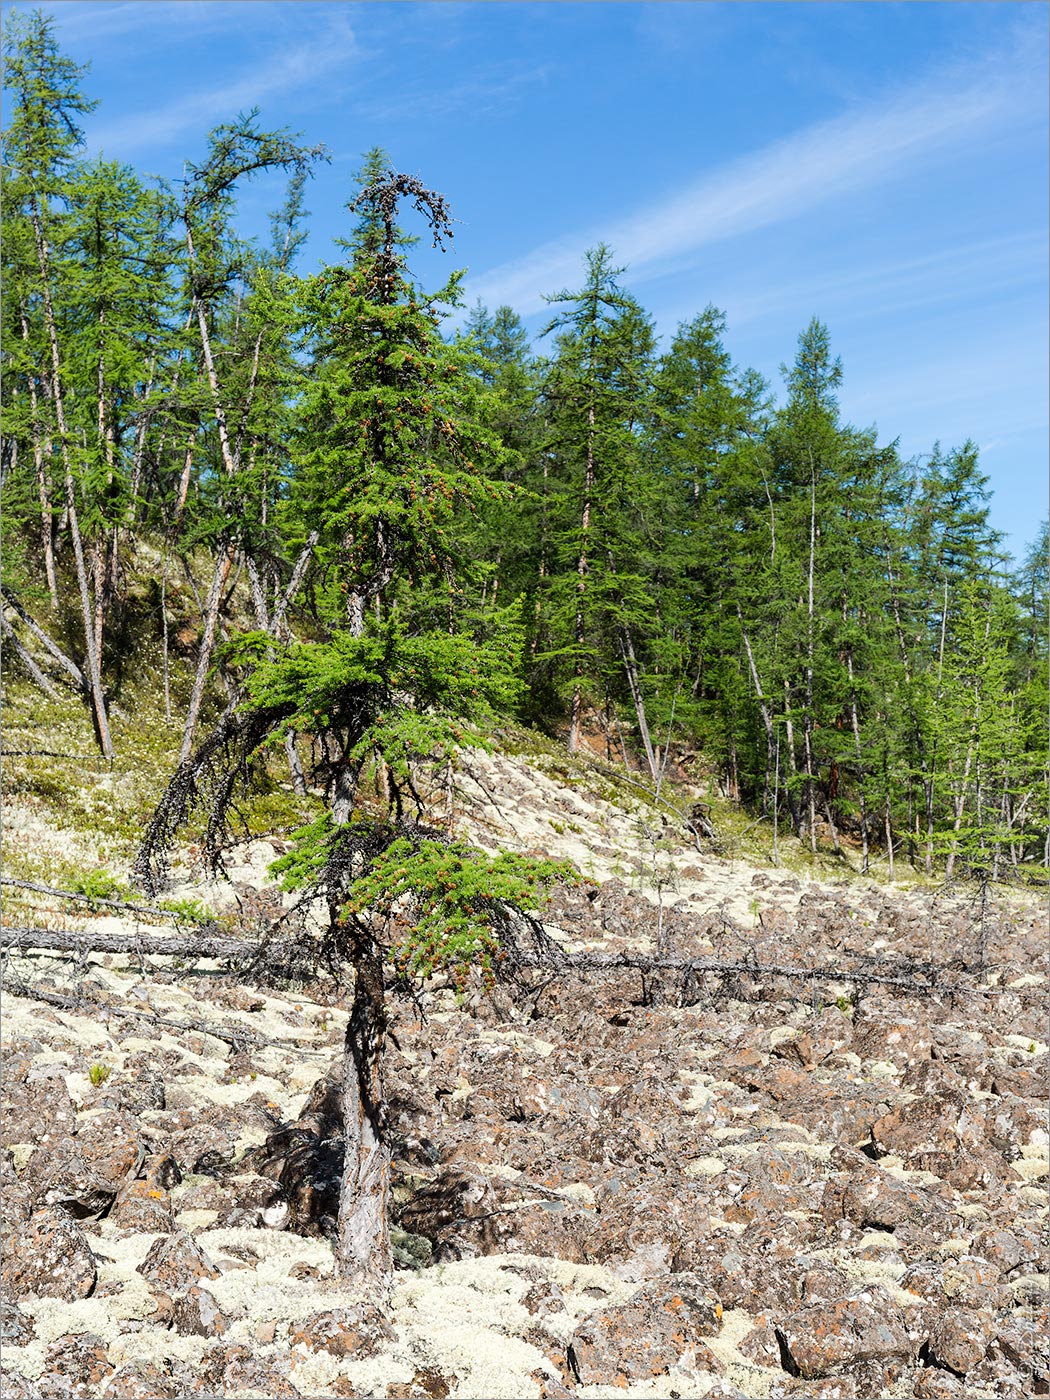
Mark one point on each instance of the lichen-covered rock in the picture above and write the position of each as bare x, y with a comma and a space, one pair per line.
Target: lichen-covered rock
882, 1035
16, 1327
15, 1201
80, 1359
934, 1384
661, 1326
959, 1339
832, 1337
195, 1313
141, 1208
16, 1387
177, 1262
761, 1345
247, 1375
50, 1257
821, 1036
970, 1282
141, 1380
356, 1332
83, 1174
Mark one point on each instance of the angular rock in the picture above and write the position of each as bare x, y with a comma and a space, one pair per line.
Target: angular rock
141, 1380
80, 1358
141, 1208
84, 1174
16, 1327
832, 1337
662, 1326
761, 1344
934, 1384
883, 1035
195, 1313
821, 1036
959, 1339
177, 1262
50, 1257
245, 1374
970, 1282
16, 1204
355, 1332
928, 1125
16, 1387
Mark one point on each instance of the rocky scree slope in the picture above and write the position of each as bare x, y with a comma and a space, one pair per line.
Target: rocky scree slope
718, 1181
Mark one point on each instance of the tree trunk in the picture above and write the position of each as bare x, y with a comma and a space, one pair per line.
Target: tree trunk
27, 661
807, 718
94, 662
47, 524
211, 618
576, 712
631, 667
855, 724
362, 1251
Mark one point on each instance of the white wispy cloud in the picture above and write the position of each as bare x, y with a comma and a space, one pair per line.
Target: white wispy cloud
790, 177
947, 277
299, 66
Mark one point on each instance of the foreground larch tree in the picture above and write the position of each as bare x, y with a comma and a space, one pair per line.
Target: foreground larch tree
388, 456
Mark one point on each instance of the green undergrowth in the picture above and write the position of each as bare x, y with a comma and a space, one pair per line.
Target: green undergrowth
52, 766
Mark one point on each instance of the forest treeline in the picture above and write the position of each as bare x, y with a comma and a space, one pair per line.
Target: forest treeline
636, 540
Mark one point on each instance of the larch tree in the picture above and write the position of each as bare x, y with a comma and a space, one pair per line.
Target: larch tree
388, 454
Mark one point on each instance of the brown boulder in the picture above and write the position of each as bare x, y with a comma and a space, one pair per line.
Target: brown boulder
662, 1326
177, 1262
16, 1327
959, 1339
829, 1338
80, 1359
884, 1035
141, 1208
141, 1380
195, 1313
50, 1257
252, 1375
349, 1332
84, 1174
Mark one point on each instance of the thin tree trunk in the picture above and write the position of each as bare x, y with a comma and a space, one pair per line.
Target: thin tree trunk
27, 661
855, 722
74, 671
576, 712
363, 1253
789, 734
807, 719
767, 718
631, 667
47, 524
211, 617
929, 778
94, 665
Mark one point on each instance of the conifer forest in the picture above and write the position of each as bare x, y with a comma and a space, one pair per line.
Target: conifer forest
400, 525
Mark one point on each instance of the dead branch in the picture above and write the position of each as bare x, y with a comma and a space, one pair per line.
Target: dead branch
94, 899
236, 1037
199, 945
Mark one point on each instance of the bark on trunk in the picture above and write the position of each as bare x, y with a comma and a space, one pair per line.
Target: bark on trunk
47, 524
94, 662
211, 618
576, 712
363, 1254
27, 661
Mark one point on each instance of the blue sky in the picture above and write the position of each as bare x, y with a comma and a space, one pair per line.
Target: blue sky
882, 166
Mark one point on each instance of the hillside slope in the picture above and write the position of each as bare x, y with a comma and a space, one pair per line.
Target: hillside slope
768, 1173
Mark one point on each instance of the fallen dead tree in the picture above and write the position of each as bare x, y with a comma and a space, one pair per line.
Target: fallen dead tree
921, 979
81, 941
